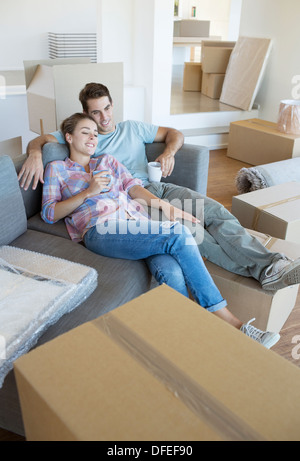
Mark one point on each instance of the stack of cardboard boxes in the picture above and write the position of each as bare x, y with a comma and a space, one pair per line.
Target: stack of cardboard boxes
214, 57
208, 75
271, 211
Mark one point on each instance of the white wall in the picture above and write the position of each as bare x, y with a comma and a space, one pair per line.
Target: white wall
153, 55
278, 20
24, 26
215, 11
115, 34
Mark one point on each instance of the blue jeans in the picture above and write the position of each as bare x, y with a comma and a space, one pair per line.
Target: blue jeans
223, 241
146, 240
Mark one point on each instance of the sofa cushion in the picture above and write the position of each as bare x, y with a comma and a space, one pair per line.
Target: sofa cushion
13, 220
59, 228
54, 151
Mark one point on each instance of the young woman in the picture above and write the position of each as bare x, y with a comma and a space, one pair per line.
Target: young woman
102, 206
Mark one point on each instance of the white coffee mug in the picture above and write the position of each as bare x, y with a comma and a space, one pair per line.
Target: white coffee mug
154, 171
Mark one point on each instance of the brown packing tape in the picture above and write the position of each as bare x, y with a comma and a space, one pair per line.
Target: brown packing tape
270, 242
191, 393
261, 208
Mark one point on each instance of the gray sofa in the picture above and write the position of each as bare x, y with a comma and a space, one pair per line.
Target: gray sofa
119, 281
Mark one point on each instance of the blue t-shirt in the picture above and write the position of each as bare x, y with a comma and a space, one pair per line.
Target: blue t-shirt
127, 144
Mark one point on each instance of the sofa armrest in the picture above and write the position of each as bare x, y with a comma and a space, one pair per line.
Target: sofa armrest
191, 165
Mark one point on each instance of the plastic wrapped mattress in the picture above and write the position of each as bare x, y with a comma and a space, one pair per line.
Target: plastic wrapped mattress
35, 291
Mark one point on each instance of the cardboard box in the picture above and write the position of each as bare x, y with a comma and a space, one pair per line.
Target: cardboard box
215, 56
53, 87
274, 210
191, 28
192, 76
212, 85
11, 147
245, 297
158, 368
258, 142
276, 245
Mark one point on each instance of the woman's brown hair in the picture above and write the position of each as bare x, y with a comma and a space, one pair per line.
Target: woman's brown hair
70, 123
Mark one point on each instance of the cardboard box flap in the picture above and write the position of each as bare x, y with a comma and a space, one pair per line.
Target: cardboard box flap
54, 96
31, 66
42, 83
11, 147
274, 244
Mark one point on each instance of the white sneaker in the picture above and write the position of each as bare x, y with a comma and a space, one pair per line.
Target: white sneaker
266, 338
281, 274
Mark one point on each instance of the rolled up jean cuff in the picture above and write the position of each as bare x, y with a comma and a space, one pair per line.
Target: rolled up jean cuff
217, 307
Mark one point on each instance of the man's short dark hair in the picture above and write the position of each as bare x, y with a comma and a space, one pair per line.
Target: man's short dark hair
93, 91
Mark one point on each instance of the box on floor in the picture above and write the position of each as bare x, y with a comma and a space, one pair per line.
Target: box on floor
257, 142
212, 85
274, 210
192, 76
247, 299
158, 368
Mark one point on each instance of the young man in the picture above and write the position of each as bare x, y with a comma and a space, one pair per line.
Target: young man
225, 243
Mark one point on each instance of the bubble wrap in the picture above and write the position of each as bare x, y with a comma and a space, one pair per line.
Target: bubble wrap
35, 291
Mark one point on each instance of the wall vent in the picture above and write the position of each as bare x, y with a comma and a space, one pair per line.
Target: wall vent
73, 45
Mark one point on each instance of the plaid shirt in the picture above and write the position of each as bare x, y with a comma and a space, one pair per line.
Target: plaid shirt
63, 179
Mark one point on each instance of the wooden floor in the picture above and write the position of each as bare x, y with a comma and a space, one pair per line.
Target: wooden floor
221, 187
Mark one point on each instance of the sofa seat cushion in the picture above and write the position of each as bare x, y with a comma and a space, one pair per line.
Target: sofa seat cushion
59, 228
13, 220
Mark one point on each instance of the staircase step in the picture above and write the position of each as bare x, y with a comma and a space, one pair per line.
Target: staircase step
205, 131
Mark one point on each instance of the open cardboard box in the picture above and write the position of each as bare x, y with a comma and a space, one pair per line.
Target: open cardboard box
53, 87
11, 147
257, 142
274, 210
158, 368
